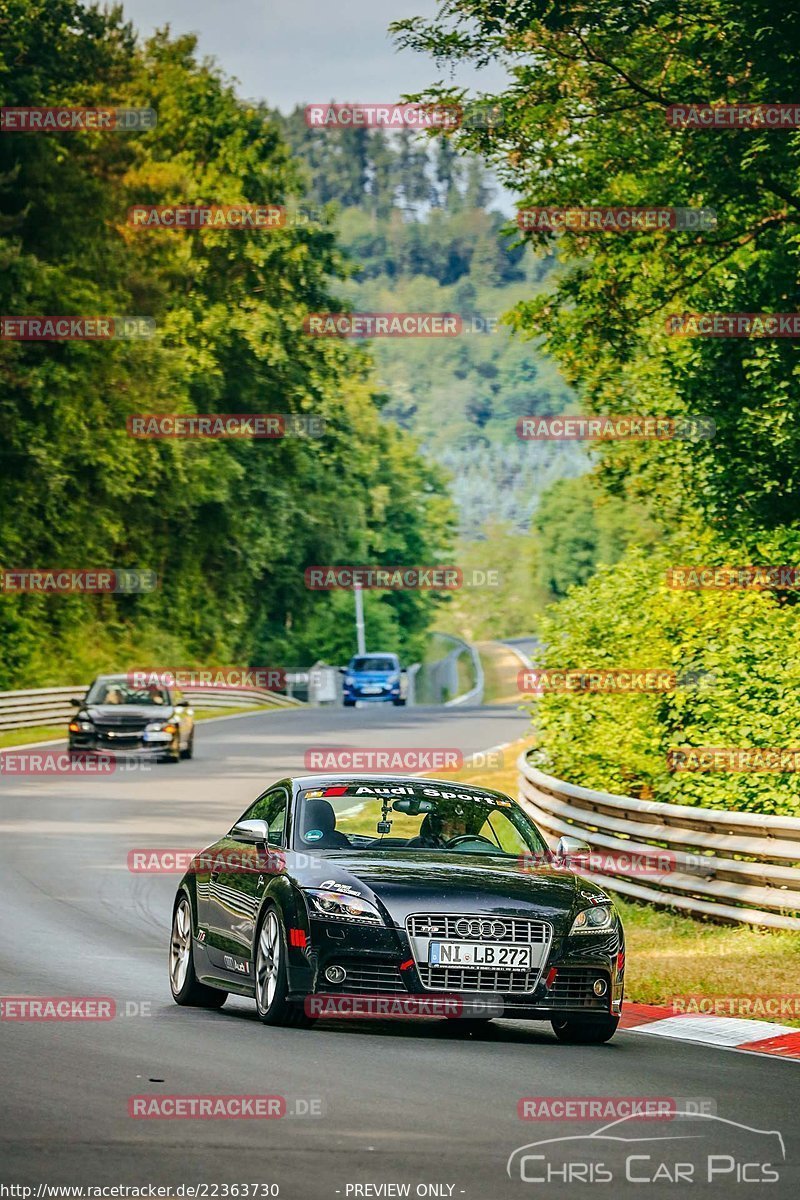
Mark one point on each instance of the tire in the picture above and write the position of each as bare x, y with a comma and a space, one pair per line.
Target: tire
173, 755
399, 703
270, 975
183, 983
349, 703
580, 1031
189, 751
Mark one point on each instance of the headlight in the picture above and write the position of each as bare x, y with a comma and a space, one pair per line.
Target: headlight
349, 680
80, 726
341, 907
593, 920
161, 727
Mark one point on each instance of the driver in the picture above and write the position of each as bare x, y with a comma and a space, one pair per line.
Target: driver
438, 828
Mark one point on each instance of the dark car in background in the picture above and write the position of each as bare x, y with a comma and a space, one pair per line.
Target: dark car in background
374, 678
396, 887
116, 717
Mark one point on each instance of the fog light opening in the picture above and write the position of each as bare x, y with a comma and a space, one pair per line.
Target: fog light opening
600, 987
335, 974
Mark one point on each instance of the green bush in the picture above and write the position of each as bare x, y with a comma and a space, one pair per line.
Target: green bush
739, 648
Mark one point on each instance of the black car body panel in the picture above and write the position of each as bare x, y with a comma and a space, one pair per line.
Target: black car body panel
231, 882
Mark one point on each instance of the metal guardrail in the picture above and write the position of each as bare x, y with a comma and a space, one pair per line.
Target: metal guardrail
475, 694
51, 706
734, 866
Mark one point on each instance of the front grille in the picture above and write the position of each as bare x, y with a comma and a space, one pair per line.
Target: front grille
572, 988
369, 977
444, 925
128, 729
451, 927
478, 979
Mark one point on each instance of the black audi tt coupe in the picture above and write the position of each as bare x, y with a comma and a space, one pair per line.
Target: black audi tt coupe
331, 891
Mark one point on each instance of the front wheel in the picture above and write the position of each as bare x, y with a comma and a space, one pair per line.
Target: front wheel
173, 755
585, 1032
189, 751
399, 703
185, 987
271, 975
349, 703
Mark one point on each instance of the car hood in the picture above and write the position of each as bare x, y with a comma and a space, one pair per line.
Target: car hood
371, 676
424, 881
122, 714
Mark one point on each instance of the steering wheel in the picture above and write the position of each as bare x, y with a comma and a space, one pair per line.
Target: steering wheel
469, 837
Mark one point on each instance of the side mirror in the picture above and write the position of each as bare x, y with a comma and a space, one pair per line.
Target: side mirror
76, 703
254, 832
342, 670
570, 847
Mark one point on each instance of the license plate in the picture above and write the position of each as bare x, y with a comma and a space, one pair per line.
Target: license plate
156, 737
476, 954
371, 689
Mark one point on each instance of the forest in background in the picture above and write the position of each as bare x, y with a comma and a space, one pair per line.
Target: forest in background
228, 526
422, 229
584, 122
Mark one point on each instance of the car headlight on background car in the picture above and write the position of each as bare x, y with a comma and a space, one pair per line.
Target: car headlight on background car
593, 920
341, 907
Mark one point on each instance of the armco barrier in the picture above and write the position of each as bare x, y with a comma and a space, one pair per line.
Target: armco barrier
734, 866
51, 706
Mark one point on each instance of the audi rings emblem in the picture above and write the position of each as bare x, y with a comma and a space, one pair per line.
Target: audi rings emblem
478, 928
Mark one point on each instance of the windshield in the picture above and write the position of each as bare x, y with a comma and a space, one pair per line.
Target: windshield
414, 817
373, 664
119, 691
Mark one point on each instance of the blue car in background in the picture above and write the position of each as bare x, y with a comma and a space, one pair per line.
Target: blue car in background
372, 677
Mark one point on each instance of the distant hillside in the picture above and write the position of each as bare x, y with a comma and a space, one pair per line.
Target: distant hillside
419, 227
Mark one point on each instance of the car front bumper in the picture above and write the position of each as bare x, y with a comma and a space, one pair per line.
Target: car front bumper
380, 962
